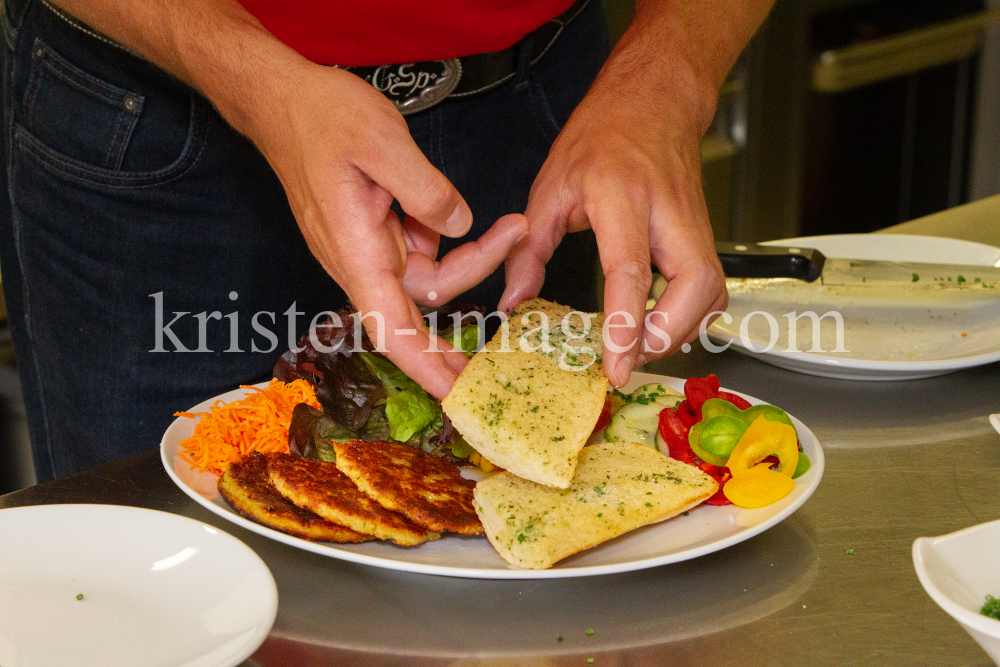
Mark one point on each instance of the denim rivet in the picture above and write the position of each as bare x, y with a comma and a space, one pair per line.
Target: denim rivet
130, 103
40, 52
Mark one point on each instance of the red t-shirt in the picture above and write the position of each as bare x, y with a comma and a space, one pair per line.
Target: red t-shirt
383, 32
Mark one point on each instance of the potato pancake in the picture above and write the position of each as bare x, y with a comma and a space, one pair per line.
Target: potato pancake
246, 486
320, 488
427, 490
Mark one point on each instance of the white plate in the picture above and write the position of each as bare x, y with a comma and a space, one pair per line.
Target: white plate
157, 589
704, 530
958, 571
887, 340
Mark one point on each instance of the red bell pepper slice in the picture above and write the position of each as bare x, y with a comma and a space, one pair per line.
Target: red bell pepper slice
738, 401
686, 414
699, 390
674, 432
605, 417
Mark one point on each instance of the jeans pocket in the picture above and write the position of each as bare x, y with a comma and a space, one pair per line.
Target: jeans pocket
80, 127
79, 115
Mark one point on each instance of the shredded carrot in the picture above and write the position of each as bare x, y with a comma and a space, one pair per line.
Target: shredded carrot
257, 422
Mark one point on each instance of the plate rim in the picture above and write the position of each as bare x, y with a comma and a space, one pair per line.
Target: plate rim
902, 368
144, 514
816, 455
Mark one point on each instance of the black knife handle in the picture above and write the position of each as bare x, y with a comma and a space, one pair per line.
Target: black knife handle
752, 260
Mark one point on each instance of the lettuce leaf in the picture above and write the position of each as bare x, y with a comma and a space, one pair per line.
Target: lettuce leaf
408, 407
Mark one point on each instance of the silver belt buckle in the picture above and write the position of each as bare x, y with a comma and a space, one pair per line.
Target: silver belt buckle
413, 87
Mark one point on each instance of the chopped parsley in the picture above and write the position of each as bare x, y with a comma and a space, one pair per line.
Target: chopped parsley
79, 596
991, 608
589, 632
850, 552
915, 277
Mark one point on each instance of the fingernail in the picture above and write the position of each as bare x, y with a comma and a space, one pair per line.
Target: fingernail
622, 369
460, 220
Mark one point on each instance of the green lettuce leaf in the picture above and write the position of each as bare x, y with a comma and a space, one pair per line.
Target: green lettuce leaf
408, 407
468, 341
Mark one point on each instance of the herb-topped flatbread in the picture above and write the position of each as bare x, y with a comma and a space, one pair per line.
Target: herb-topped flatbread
618, 487
529, 399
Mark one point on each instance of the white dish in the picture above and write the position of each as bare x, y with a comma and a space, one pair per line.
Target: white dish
885, 340
958, 571
705, 529
109, 586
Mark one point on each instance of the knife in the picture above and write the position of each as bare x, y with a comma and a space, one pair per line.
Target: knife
756, 261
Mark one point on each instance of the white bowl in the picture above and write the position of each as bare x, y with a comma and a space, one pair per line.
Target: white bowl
109, 586
958, 571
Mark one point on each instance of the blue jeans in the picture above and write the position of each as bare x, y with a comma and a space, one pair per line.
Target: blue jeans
130, 200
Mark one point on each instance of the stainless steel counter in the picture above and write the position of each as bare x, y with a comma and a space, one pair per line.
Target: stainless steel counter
904, 459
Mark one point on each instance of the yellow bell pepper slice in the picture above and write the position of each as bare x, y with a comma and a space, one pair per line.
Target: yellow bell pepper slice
757, 487
765, 438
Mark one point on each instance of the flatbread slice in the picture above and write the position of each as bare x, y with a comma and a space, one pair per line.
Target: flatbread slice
320, 488
247, 487
527, 407
618, 487
427, 490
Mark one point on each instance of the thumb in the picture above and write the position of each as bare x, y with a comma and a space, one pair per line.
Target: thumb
398, 165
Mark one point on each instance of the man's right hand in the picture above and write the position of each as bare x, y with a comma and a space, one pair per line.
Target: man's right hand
343, 153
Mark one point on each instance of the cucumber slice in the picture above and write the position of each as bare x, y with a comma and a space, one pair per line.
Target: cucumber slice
638, 422
656, 392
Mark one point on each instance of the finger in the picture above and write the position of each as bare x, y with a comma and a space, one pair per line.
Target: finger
390, 316
398, 165
524, 269
695, 287
420, 238
394, 325
398, 264
434, 283
621, 224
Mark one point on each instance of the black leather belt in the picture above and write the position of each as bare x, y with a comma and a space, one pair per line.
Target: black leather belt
413, 87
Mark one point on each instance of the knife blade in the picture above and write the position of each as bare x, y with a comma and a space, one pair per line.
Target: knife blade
756, 261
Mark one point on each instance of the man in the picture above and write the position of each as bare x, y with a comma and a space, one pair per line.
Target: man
139, 213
